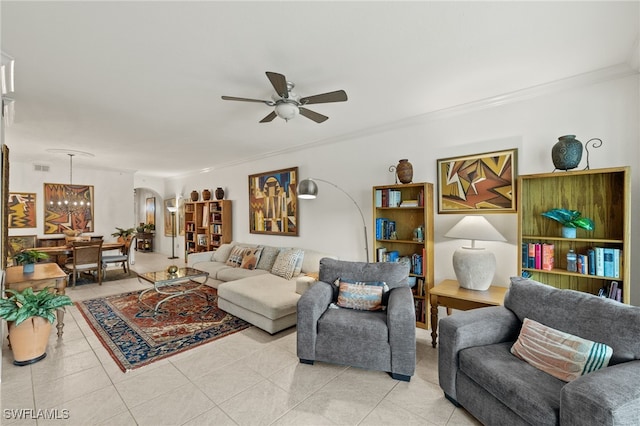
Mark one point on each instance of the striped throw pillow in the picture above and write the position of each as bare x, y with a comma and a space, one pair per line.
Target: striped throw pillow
560, 354
360, 295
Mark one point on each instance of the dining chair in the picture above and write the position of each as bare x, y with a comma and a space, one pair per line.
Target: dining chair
123, 257
86, 257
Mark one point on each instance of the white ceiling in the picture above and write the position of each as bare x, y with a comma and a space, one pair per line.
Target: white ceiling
138, 84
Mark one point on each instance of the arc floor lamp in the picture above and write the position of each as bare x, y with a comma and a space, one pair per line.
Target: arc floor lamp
308, 189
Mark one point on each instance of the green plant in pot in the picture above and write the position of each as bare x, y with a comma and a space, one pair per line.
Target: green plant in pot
28, 259
570, 221
29, 316
123, 234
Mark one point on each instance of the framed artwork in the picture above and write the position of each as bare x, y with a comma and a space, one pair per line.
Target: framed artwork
58, 218
150, 209
4, 206
22, 210
273, 202
18, 243
479, 183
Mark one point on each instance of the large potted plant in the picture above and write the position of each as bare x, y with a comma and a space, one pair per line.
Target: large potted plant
29, 316
28, 259
570, 221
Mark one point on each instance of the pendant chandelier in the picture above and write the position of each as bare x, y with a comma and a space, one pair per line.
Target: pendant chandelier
70, 198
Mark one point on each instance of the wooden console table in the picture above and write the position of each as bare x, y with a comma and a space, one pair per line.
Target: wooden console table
449, 294
45, 275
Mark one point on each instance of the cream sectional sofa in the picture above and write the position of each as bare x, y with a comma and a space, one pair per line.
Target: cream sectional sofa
258, 296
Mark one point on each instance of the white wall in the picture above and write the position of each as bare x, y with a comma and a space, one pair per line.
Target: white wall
607, 110
113, 194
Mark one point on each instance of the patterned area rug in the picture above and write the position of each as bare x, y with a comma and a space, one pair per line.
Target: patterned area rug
135, 336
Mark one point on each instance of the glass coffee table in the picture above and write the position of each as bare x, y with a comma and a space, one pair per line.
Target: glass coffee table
184, 281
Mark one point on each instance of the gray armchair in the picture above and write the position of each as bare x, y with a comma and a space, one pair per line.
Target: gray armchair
478, 371
382, 340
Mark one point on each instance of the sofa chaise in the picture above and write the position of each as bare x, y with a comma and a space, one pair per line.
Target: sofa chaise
258, 293
478, 371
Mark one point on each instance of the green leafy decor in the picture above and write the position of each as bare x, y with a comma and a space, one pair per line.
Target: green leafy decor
22, 305
570, 218
29, 256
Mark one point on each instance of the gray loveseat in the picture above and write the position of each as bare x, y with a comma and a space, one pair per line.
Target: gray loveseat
377, 340
477, 370
256, 295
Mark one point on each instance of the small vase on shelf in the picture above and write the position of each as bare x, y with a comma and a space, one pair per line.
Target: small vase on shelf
219, 193
194, 195
404, 170
206, 195
568, 232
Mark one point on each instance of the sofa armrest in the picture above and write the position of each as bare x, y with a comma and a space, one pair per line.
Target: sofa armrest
477, 327
203, 256
303, 283
610, 396
401, 322
311, 305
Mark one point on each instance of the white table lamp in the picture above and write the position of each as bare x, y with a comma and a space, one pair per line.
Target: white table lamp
474, 266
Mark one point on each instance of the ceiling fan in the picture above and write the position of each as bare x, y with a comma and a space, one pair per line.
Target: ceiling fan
288, 104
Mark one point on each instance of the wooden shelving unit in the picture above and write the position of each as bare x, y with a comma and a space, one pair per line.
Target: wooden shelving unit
600, 194
404, 241
207, 225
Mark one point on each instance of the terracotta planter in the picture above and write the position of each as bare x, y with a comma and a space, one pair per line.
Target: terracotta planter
29, 340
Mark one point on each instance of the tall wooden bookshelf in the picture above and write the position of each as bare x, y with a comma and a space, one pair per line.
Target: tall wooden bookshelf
408, 207
600, 194
207, 225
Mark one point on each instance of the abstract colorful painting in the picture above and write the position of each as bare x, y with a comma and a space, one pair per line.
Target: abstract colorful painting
480, 183
58, 218
17, 243
22, 210
273, 202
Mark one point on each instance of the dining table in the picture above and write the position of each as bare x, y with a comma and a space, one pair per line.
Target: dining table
62, 252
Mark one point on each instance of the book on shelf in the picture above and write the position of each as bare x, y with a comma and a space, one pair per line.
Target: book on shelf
591, 255
409, 203
384, 228
548, 256
378, 201
608, 262
599, 261
388, 197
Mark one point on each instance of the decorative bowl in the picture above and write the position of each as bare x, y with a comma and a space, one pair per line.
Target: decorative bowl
72, 232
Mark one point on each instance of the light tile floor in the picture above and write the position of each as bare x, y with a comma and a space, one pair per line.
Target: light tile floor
248, 378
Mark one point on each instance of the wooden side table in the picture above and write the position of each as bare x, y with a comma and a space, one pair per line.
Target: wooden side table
449, 294
45, 275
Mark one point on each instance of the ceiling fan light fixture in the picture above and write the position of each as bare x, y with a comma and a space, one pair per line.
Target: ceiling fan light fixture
287, 110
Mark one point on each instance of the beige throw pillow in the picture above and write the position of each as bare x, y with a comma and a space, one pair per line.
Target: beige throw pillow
285, 263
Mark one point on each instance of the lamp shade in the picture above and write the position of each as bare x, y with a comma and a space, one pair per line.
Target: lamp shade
474, 266
474, 228
307, 189
172, 209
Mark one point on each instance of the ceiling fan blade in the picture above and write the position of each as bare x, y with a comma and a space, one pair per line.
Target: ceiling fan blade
233, 98
279, 83
337, 96
269, 117
312, 115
